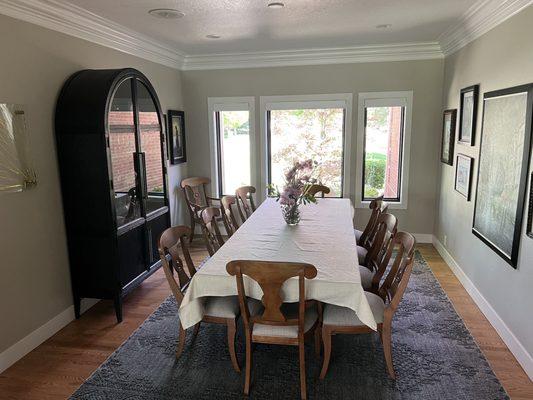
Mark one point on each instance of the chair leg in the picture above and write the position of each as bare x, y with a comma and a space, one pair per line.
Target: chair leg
326, 339
181, 342
303, 387
386, 340
248, 363
193, 223
231, 344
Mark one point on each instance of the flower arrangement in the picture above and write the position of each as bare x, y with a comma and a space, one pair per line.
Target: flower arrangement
298, 181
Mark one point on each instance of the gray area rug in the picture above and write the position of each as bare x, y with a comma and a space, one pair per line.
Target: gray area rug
434, 354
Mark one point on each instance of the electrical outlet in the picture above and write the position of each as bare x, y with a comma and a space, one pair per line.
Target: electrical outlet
445, 240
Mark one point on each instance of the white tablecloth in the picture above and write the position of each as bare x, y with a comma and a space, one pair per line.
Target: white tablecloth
324, 237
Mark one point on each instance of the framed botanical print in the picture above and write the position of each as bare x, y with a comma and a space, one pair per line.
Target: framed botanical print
463, 175
448, 136
530, 209
176, 137
468, 114
503, 170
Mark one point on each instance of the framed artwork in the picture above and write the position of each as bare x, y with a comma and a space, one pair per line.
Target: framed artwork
177, 151
503, 170
468, 114
529, 230
448, 136
463, 175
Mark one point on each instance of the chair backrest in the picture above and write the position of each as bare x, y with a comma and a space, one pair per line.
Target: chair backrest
170, 242
376, 207
245, 201
195, 193
212, 236
316, 189
230, 222
271, 276
396, 281
386, 227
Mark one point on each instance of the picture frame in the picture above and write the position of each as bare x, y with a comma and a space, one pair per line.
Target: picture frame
449, 120
529, 230
464, 169
468, 114
503, 170
177, 149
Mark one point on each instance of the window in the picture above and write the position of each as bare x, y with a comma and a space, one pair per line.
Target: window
231, 123
384, 137
303, 127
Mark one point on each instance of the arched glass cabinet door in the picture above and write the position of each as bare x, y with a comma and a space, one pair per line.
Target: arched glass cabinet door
122, 145
150, 131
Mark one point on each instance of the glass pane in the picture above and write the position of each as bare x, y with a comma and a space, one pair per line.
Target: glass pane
234, 141
297, 135
383, 152
150, 129
122, 146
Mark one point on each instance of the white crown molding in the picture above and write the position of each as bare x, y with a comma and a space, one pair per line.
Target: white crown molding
341, 55
478, 20
76, 21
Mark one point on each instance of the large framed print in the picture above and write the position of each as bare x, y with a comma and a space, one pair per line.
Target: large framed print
529, 230
448, 136
463, 175
468, 114
177, 150
503, 170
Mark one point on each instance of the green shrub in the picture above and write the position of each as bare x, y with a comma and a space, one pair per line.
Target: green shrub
375, 171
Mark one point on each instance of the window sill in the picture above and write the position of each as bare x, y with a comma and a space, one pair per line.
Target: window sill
392, 206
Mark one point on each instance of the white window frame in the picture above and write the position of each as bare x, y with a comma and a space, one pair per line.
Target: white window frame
384, 99
311, 101
216, 104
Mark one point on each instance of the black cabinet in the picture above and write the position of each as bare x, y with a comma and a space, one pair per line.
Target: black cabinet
110, 143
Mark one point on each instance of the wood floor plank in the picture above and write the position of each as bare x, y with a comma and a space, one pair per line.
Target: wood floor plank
55, 369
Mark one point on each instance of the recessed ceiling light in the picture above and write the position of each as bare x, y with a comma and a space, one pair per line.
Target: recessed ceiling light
276, 4
383, 26
213, 36
166, 13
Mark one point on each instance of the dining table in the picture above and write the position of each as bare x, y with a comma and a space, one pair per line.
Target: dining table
324, 237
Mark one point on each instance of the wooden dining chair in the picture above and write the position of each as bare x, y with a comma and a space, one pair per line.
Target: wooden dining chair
228, 216
339, 320
377, 206
245, 201
374, 265
218, 310
280, 323
318, 189
196, 198
211, 216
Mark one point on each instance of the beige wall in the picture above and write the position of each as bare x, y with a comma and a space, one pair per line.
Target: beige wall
34, 273
423, 77
500, 59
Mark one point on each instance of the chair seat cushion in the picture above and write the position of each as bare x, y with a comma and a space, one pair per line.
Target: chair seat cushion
228, 306
343, 316
361, 254
366, 277
290, 310
358, 234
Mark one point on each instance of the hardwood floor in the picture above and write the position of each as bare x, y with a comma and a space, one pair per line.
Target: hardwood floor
57, 367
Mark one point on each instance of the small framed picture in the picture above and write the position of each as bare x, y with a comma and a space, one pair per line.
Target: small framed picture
530, 209
177, 151
448, 136
463, 175
468, 114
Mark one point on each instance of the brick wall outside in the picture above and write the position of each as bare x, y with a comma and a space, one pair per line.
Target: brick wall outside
393, 153
122, 144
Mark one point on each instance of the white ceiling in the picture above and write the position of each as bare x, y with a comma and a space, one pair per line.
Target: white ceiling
249, 26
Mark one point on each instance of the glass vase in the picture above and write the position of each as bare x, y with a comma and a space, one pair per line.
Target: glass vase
291, 214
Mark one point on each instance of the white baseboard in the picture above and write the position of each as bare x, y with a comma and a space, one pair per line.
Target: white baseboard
25, 345
514, 345
423, 237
